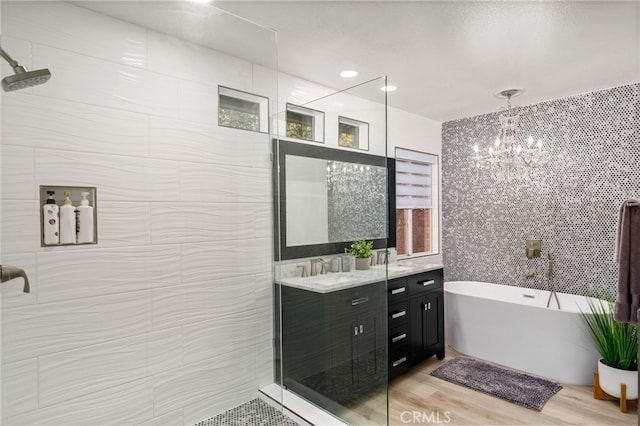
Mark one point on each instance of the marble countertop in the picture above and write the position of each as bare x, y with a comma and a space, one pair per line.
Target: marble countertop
342, 280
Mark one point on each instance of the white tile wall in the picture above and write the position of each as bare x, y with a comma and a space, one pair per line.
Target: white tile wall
17, 170
21, 381
161, 321
75, 29
70, 374
48, 328
208, 143
71, 126
192, 383
108, 271
118, 178
129, 404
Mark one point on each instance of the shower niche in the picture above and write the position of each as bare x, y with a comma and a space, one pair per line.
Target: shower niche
68, 215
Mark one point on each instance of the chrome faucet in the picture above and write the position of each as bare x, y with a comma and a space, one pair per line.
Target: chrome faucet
314, 267
304, 272
552, 287
7, 273
383, 257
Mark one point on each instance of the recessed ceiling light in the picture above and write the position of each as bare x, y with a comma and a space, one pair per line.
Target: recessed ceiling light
389, 88
348, 73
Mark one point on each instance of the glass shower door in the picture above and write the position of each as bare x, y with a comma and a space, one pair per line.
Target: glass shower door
332, 188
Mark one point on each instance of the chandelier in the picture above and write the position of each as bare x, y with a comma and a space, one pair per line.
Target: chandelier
509, 150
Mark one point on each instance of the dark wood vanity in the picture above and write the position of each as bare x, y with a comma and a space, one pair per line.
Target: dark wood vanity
339, 345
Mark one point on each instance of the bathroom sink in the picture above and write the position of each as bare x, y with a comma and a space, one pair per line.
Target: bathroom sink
399, 268
396, 268
333, 279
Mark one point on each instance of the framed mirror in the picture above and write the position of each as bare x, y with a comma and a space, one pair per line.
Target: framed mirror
327, 198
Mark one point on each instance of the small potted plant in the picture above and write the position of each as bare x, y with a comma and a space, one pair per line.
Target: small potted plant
361, 250
617, 344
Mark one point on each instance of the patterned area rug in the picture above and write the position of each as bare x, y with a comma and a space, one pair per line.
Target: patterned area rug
513, 386
252, 413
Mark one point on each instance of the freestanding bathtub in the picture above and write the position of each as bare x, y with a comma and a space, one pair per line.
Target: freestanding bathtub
512, 326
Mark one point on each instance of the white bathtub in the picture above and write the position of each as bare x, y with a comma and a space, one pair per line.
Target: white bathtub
512, 326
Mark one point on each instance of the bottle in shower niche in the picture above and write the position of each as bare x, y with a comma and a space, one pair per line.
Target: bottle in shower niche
67, 221
85, 220
51, 220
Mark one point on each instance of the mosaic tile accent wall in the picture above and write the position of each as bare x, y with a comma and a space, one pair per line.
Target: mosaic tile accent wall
571, 202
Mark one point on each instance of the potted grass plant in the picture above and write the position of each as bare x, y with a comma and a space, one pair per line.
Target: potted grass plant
617, 344
362, 250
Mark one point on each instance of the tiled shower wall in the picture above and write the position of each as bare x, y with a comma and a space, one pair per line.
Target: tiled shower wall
571, 203
168, 319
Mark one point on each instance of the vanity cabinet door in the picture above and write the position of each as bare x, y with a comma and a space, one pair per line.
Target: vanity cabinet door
358, 338
427, 326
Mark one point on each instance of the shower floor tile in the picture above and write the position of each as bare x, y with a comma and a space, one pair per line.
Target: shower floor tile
252, 413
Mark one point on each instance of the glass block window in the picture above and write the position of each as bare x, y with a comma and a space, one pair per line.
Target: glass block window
242, 110
353, 133
305, 123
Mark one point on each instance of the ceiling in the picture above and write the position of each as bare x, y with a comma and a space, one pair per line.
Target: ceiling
446, 58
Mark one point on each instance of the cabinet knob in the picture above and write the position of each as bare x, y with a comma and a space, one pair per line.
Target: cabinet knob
355, 330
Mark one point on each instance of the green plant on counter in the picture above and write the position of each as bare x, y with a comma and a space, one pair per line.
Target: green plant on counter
617, 343
361, 249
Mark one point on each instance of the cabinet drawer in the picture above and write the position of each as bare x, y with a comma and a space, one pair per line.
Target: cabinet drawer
398, 314
398, 336
398, 363
357, 300
425, 282
397, 290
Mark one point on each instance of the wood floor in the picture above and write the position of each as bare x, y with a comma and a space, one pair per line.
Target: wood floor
417, 398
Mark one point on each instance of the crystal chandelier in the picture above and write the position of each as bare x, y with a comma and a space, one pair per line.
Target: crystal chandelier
509, 151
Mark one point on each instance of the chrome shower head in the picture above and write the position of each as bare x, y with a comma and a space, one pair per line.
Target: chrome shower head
22, 78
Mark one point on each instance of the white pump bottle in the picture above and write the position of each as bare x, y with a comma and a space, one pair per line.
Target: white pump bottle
85, 220
67, 221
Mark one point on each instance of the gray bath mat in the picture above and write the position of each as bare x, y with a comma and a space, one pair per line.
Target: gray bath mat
513, 386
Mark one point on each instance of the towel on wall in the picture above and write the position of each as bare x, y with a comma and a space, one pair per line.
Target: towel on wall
628, 258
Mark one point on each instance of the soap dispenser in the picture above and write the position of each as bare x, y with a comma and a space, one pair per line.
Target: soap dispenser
85, 220
67, 221
51, 220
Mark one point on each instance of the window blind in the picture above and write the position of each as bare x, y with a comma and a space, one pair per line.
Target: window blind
413, 179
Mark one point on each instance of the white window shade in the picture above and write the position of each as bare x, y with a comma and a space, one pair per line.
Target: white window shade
413, 179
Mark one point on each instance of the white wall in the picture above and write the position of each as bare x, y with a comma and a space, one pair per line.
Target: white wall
168, 319
410, 131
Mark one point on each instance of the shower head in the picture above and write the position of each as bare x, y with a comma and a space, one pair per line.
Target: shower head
22, 78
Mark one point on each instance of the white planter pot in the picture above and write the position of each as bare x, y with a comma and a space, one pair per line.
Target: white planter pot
610, 379
363, 263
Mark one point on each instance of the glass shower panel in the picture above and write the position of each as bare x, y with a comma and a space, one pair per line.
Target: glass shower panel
161, 108
332, 317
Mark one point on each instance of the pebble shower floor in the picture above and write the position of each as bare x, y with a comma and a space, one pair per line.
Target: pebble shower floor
252, 413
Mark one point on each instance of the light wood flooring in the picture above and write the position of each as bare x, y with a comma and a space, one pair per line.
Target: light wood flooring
434, 400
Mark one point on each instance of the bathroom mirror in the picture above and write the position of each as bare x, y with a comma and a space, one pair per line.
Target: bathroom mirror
329, 198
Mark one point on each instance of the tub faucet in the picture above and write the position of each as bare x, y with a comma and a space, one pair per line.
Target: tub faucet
7, 273
552, 287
